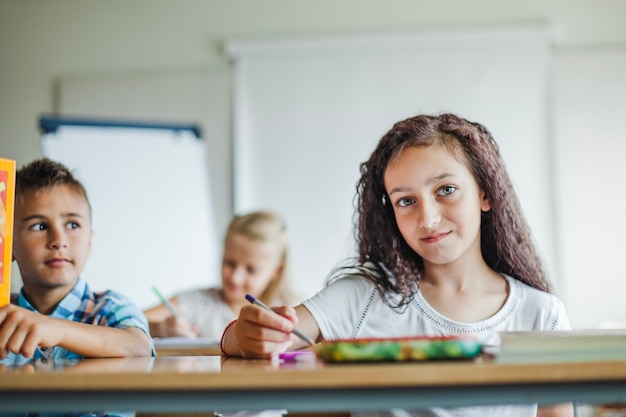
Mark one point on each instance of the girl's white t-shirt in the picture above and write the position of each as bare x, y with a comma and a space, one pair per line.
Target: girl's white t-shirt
352, 307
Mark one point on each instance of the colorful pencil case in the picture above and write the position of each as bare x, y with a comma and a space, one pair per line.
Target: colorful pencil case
399, 349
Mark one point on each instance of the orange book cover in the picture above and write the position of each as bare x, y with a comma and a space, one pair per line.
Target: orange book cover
7, 195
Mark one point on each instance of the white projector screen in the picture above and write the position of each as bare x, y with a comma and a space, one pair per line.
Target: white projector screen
149, 191
307, 112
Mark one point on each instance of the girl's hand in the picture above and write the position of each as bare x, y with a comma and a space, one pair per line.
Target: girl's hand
261, 333
176, 327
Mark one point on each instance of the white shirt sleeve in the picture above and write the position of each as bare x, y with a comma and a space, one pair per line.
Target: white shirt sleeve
340, 308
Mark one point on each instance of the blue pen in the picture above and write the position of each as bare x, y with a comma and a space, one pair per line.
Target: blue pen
295, 331
165, 302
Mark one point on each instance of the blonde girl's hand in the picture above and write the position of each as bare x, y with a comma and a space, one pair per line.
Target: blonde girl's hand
177, 327
261, 333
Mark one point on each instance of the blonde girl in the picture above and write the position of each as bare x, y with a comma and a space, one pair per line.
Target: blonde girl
255, 261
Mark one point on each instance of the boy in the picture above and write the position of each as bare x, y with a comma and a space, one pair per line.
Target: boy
56, 315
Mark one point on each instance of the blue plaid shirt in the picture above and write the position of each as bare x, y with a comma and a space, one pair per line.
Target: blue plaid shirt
107, 308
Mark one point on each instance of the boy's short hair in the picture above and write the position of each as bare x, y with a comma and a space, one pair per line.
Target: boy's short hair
45, 173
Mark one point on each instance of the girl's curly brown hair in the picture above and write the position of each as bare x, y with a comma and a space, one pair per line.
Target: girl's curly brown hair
506, 242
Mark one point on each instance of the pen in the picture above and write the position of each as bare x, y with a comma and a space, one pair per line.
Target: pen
165, 302
295, 331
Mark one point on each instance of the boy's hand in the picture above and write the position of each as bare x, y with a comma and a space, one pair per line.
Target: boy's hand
261, 333
22, 331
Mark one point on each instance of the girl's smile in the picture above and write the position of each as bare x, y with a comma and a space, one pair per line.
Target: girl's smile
434, 238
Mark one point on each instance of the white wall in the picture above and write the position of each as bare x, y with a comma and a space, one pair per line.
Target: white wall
42, 41
590, 162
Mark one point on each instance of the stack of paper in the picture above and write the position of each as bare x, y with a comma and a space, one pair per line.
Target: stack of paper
185, 342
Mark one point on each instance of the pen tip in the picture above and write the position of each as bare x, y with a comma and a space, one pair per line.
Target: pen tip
249, 298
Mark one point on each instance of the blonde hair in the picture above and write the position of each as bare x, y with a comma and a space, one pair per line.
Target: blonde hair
267, 226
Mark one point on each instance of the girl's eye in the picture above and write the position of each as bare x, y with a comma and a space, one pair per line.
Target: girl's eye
405, 202
446, 190
38, 226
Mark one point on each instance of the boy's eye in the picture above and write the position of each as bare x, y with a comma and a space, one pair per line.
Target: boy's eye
38, 226
446, 190
72, 225
405, 201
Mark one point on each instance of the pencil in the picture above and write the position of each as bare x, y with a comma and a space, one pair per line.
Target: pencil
166, 302
295, 331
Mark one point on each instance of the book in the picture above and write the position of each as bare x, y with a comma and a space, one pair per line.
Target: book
7, 195
399, 349
561, 346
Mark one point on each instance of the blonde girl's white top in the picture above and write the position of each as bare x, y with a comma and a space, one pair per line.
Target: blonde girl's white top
352, 307
206, 309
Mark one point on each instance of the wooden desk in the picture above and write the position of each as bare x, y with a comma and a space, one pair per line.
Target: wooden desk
207, 383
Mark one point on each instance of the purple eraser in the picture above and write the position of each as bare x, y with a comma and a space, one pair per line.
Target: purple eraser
296, 355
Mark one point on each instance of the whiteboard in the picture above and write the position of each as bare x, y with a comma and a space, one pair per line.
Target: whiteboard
148, 186
308, 111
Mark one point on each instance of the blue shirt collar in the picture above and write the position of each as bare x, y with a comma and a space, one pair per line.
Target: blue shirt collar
71, 302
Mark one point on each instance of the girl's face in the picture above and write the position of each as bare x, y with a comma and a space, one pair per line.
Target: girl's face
437, 204
248, 266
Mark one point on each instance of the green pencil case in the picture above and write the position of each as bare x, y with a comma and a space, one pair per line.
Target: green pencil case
399, 349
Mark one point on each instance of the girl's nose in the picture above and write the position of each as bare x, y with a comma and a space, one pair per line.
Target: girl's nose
238, 275
429, 216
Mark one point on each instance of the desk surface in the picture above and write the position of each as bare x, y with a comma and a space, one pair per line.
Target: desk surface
204, 383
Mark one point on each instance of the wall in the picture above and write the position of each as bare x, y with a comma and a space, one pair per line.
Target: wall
42, 41
590, 147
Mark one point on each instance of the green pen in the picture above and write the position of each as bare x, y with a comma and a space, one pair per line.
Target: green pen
165, 302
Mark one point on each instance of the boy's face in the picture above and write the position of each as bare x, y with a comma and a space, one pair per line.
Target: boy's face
52, 237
